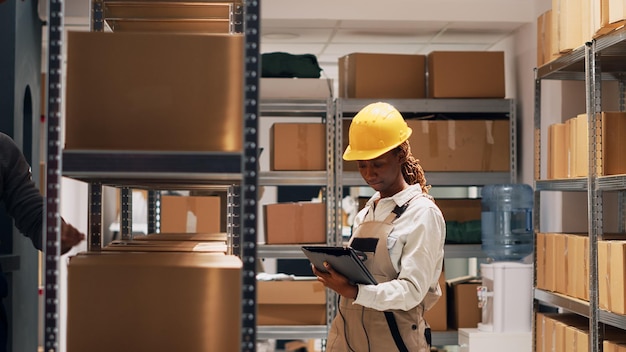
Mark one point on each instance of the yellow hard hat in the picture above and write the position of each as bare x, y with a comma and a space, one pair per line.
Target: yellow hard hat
375, 130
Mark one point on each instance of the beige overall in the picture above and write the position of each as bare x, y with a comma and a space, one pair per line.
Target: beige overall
361, 329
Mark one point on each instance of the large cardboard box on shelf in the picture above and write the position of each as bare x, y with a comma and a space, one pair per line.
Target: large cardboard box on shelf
295, 223
466, 74
291, 302
558, 153
560, 262
298, 147
544, 39
191, 214
617, 11
577, 270
296, 88
569, 28
460, 209
461, 145
463, 311
154, 92
153, 302
613, 125
615, 275
382, 76
437, 315
166, 246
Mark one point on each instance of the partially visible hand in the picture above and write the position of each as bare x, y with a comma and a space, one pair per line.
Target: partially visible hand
336, 282
70, 237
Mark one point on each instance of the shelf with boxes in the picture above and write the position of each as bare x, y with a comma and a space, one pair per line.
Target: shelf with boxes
133, 124
298, 114
579, 271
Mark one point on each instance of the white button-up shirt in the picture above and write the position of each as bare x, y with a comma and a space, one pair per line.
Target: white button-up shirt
415, 247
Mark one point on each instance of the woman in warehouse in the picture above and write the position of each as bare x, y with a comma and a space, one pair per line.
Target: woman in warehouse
402, 232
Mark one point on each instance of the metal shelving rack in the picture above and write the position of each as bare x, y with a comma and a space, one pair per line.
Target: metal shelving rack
154, 170
318, 108
501, 108
600, 60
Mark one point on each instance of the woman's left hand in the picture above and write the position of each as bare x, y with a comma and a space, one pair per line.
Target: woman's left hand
335, 281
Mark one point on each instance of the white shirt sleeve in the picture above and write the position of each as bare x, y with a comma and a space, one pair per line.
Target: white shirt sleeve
416, 251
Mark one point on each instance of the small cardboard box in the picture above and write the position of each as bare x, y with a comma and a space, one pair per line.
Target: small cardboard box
544, 38
437, 316
463, 311
154, 92
298, 147
190, 214
540, 264
295, 223
153, 302
617, 276
461, 145
292, 302
382, 76
466, 74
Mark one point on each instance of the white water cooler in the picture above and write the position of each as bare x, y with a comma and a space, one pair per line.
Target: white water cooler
506, 301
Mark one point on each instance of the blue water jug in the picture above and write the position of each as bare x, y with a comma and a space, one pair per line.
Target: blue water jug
506, 221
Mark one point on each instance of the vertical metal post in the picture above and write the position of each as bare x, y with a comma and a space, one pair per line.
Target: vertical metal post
537, 194
154, 211
594, 106
250, 169
233, 220
53, 177
126, 213
94, 218
513, 142
97, 16
537, 128
621, 195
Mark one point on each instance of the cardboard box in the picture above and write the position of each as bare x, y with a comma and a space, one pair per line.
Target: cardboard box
190, 214
296, 302
617, 276
437, 315
544, 38
153, 302
296, 88
558, 159
613, 125
604, 287
568, 22
550, 253
154, 92
466, 74
577, 266
382, 76
560, 262
460, 209
166, 246
463, 311
199, 237
617, 11
540, 264
295, 223
298, 147
461, 145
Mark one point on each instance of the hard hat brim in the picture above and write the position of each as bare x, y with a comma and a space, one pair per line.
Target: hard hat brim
353, 155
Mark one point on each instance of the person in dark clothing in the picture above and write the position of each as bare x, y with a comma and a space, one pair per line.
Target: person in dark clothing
25, 204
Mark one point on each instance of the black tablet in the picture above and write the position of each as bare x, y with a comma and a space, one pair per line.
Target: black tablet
343, 259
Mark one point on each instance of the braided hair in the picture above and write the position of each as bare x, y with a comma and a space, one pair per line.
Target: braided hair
411, 169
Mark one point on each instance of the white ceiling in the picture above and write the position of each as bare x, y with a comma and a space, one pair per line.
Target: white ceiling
330, 29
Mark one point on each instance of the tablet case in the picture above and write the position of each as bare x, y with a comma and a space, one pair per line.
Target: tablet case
343, 259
